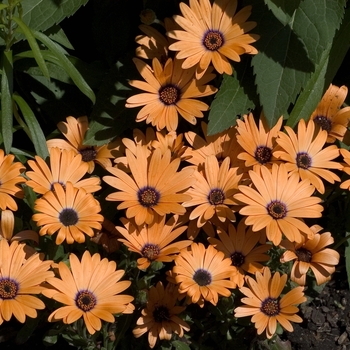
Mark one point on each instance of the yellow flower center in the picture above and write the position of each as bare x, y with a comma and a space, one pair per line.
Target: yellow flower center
303, 255
85, 300
237, 259
161, 313
150, 251
270, 307
323, 122
148, 197
263, 154
216, 196
8, 288
68, 217
202, 277
169, 94
277, 209
303, 160
213, 40
88, 154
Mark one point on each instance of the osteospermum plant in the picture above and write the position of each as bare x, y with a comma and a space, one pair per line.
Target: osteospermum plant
182, 185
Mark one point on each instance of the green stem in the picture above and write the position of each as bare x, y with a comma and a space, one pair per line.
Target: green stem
343, 240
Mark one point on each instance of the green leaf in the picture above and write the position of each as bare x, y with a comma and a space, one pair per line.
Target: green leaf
3, 6
293, 38
61, 59
325, 71
6, 100
57, 34
109, 116
36, 134
33, 45
43, 14
235, 98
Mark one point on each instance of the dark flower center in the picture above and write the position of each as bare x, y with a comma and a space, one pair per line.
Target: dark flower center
169, 94
263, 154
148, 197
202, 277
85, 300
323, 122
150, 251
8, 288
303, 160
270, 307
216, 196
237, 259
68, 217
213, 40
303, 255
88, 154
161, 313
277, 209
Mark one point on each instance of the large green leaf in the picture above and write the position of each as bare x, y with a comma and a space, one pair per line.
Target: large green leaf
236, 97
293, 38
325, 71
43, 14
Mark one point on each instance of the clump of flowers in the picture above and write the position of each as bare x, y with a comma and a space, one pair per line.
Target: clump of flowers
180, 231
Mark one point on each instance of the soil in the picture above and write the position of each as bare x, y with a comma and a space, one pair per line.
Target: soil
326, 318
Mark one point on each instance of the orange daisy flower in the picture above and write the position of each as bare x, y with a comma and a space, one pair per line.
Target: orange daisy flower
311, 254
153, 188
160, 316
10, 180
7, 225
212, 34
346, 167
240, 246
278, 203
153, 242
20, 278
170, 91
213, 192
108, 237
329, 115
90, 289
222, 145
170, 140
203, 274
264, 302
69, 211
304, 154
258, 144
65, 165
74, 131
152, 43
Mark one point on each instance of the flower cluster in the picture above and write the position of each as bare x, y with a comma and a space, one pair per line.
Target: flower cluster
193, 219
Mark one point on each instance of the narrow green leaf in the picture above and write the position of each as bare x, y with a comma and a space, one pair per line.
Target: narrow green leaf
325, 71
6, 100
36, 134
59, 52
3, 6
232, 100
33, 45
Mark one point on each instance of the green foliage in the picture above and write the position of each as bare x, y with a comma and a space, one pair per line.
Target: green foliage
295, 39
